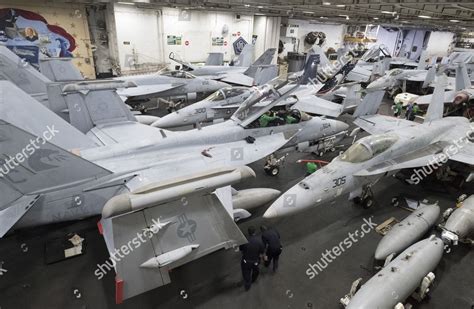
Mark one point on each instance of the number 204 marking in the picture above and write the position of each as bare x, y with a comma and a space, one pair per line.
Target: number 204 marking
339, 181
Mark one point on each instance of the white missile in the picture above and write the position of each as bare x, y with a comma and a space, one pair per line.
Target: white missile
401, 277
408, 231
155, 194
460, 223
169, 257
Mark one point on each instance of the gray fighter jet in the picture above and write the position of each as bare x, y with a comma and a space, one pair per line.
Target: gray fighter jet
130, 173
396, 79
223, 103
47, 86
462, 92
257, 73
168, 84
395, 144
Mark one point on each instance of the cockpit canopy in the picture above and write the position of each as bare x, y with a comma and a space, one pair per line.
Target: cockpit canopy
395, 72
227, 93
179, 74
368, 147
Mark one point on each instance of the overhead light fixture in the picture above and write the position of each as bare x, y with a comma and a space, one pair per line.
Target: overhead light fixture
454, 20
388, 12
246, 5
127, 3
308, 12
340, 5
260, 7
424, 16
346, 16
326, 3
376, 18
323, 17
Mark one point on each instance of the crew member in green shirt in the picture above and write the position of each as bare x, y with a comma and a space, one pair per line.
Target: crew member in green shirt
290, 119
265, 119
397, 109
311, 167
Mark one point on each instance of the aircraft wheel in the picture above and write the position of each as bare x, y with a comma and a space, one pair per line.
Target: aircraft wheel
368, 202
395, 201
274, 171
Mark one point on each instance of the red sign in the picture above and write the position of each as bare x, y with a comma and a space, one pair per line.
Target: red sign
225, 43
186, 43
238, 33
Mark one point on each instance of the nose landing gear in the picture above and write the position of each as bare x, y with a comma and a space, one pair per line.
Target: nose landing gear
366, 199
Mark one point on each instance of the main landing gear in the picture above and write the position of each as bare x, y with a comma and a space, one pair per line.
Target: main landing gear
366, 199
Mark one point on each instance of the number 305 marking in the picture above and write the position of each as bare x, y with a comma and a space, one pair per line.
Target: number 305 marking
339, 181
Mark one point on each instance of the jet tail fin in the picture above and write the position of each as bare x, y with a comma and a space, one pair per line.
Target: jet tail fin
430, 76
91, 103
60, 69
422, 61
246, 56
463, 81
380, 67
316, 50
215, 59
310, 70
265, 74
264, 60
370, 104
21, 73
24, 112
436, 107
353, 96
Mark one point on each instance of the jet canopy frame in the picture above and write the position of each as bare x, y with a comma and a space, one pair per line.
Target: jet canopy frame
227, 93
368, 147
179, 74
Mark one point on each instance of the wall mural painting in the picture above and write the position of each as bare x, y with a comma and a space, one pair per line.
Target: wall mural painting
28, 34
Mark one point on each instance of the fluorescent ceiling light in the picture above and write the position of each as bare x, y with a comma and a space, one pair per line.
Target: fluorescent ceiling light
260, 7
246, 5
454, 20
128, 3
424, 16
388, 12
326, 3
308, 12
346, 16
340, 5
323, 17
376, 18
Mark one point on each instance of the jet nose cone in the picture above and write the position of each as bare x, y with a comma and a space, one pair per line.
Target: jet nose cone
271, 213
285, 205
168, 121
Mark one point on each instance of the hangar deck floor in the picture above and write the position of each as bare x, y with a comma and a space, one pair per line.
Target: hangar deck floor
215, 281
